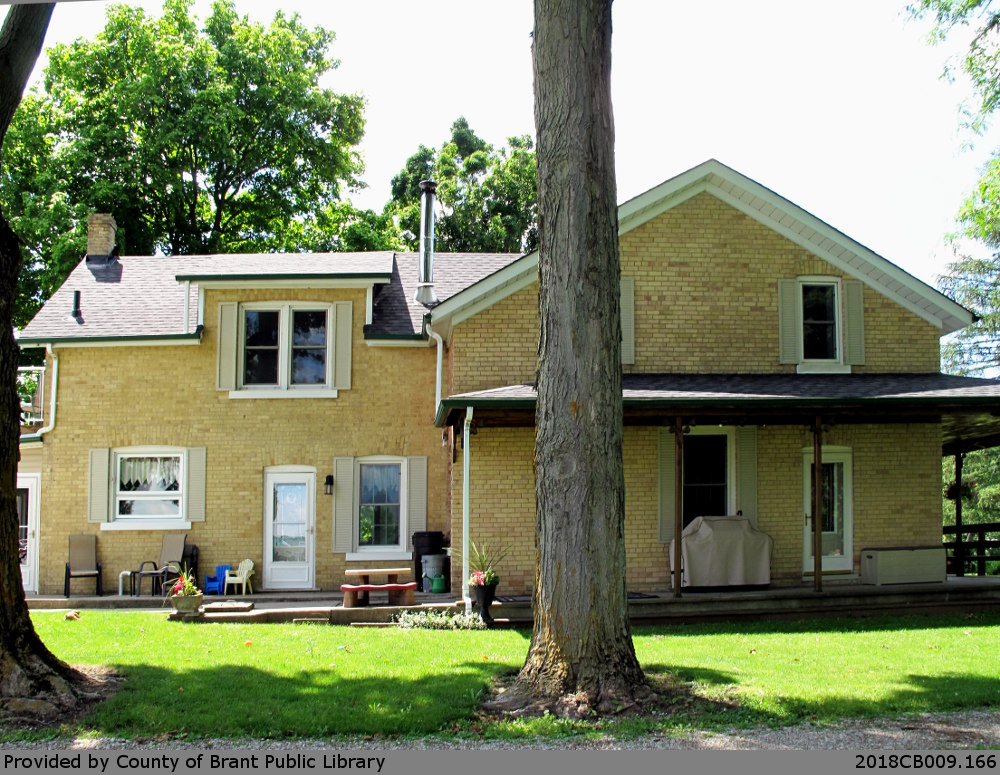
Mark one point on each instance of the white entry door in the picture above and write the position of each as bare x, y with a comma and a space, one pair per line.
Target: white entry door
838, 511
28, 486
289, 529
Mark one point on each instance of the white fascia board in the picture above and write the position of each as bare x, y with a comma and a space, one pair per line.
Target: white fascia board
484, 294
298, 282
425, 343
850, 257
124, 341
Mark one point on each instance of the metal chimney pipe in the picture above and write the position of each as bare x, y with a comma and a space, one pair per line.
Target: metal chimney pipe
425, 286
77, 312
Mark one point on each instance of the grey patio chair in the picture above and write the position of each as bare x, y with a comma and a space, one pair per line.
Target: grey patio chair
171, 557
83, 561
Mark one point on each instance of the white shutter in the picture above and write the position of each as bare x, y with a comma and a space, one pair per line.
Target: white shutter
343, 337
343, 504
628, 319
196, 484
789, 325
99, 495
854, 323
667, 456
416, 498
746, 472
228, 344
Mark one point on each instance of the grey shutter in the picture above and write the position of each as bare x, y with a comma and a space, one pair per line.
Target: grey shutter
854, 323
746, 472
342, 346
789, 325
228, 345
196, 481
416, 497
628, 319
667, 455
343, 504
99, 494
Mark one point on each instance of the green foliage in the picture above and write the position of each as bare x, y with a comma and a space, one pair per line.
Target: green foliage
198, 140
981, 62
431, 619
982, 503
487, 195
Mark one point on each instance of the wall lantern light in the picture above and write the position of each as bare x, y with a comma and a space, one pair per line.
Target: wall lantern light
328, 484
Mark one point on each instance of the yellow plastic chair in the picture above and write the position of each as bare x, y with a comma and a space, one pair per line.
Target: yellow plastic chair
240, 576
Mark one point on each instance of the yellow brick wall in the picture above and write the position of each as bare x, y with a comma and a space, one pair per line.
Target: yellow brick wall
706, 300
132, 396
896, 485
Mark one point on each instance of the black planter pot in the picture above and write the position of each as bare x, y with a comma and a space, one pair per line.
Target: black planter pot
484, 599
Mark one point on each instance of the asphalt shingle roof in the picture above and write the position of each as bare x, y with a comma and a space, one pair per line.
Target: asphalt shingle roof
143, 296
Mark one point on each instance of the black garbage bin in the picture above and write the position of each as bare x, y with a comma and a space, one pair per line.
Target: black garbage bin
425, 542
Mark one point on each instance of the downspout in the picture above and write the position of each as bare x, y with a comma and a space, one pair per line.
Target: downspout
440, 365
466, 436
52, 397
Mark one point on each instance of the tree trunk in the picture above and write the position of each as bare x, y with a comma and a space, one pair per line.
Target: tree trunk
581, 657
32, 681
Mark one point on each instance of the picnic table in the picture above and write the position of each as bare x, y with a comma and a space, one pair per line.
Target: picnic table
356, 595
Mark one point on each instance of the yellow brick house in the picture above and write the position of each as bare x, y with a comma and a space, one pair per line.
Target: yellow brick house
311, 412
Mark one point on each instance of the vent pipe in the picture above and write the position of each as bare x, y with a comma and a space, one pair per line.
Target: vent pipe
77, 312
425, 286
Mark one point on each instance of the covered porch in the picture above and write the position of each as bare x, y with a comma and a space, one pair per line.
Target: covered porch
939, 411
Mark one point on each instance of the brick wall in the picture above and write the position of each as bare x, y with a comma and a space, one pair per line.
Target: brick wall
132, 396
706, 300
896, 486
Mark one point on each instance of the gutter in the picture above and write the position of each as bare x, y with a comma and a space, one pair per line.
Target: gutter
440, 367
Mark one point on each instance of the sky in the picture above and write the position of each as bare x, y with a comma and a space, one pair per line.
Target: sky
838, 107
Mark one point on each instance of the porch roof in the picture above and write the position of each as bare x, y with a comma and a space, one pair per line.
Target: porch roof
967, 408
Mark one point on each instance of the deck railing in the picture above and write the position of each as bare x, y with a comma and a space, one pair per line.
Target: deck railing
973, 549
31, 390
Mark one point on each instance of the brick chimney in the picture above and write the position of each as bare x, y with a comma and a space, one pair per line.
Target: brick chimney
100, 236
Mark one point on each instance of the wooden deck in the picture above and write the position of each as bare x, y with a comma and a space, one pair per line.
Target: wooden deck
848, 597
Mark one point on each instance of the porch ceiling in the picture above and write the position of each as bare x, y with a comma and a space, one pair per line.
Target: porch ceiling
967, 408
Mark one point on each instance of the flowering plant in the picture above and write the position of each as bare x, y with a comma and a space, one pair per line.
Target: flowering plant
184, 585
484, 561
480, 578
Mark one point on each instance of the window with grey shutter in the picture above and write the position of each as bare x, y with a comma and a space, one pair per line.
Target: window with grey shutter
228, 344
196, 484
854, 324
789, 326
343, 504
628, 319
416, 498
99, 495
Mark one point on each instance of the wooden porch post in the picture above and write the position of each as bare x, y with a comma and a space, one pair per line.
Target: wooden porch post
817, 508
959, 548
678, 500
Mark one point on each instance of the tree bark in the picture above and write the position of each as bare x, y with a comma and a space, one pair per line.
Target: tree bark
33, 682
581, 657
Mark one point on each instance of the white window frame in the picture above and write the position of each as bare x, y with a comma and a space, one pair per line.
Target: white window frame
386, 552
730, 433
284, 388
822, 365
139, 522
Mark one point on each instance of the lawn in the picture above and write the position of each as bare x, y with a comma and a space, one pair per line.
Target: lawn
281, 681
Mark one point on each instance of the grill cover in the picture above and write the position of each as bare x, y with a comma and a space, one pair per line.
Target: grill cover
724, 551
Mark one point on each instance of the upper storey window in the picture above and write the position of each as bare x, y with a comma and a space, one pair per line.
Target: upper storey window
821, 324
285, 347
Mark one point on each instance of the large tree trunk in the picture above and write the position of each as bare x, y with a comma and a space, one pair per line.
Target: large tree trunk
581, 657
32, 681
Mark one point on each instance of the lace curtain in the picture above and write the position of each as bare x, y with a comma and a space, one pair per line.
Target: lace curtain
149, 474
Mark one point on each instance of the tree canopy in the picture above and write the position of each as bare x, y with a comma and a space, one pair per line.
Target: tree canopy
198, 139
487, 195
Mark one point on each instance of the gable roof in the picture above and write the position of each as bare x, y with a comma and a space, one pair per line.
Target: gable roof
762, 205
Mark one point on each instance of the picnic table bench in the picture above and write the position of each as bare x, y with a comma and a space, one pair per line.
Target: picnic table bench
400, 593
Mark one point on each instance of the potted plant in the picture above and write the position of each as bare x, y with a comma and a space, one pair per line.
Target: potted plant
484, 578
185, 597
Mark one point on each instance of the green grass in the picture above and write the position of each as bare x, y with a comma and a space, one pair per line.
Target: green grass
280, 681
